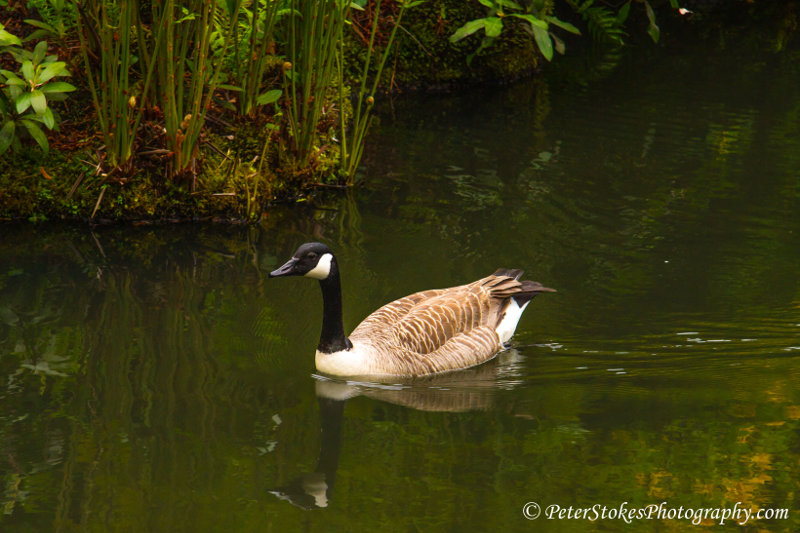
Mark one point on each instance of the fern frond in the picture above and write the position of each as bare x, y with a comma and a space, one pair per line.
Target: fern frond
604, 25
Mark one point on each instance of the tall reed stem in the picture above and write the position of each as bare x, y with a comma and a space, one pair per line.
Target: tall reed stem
186, 75
352, 149
105, 30
315, 28
251, 67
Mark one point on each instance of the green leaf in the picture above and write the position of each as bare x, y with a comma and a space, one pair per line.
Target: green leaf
674, 4
39, 52
38, 101
563, 25
622, 14
58, 87
23, 102
55, 97
38, 24
8, 39
187, 15
493, 26
27, 70
38, 34
653, 30
487, 3
229, 87
52, 70
558, 44
19, 54
409, 5
6, 135
509, 3
37, 134
467, 29
543, 41
535, 22
269, 97
11, 78
48, 119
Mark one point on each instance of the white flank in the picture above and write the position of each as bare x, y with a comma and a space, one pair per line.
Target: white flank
507, 326
322, 269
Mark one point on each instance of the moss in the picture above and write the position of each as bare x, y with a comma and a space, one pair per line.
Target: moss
231, 183
59, 186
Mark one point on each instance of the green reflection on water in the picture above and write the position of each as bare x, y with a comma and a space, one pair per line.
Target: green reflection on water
154, 380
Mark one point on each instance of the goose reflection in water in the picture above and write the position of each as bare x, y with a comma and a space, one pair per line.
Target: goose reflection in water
467, 390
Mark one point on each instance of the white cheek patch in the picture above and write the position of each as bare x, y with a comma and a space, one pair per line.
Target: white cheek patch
322, 269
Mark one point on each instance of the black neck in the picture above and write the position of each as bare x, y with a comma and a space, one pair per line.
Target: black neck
332, 338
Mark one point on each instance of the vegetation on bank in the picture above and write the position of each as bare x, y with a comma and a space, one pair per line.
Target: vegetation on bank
214, 109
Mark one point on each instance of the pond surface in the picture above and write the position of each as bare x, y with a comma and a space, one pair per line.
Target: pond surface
154, 379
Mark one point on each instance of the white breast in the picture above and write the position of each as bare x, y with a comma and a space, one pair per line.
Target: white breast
352, 362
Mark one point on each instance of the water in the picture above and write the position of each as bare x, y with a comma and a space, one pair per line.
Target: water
155, 380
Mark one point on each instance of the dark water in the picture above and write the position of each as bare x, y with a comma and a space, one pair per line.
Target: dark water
153, 379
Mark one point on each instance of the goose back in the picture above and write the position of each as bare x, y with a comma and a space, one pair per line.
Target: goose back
443, 329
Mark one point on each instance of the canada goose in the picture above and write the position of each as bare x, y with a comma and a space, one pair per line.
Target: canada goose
427, 332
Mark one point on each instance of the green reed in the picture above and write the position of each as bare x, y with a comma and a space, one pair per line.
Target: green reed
105, 29
252, 62
186, 73
315, 30
352, 149
171, 62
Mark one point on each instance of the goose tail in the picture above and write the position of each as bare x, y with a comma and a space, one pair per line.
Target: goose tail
528, 292
518, 294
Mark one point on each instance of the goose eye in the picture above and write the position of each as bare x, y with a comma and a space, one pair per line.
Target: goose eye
312, 255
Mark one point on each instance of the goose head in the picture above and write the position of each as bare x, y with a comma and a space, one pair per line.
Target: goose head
315, 260
312, 260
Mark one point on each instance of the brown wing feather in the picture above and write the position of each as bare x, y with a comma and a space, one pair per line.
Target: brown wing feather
428, 326
465, 350
444, 329
394, 311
